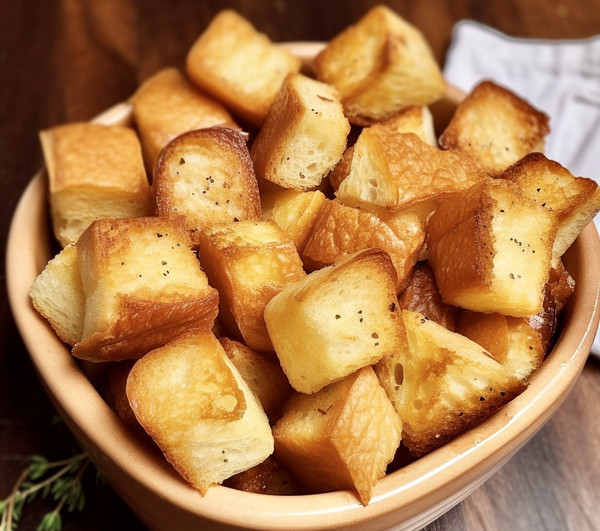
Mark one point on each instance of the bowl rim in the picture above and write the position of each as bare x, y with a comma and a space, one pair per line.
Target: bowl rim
440, 479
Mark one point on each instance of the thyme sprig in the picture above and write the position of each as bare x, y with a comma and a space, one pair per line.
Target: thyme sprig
58, 480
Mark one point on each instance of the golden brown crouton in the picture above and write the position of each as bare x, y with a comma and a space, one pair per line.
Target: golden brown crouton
399, 170
57, 294
340, 230
574, 201
342, 437
336, 320
95, 172
380, 65
448, 384
264, 377
143, 286
193, 402
490, 249
166, 105
303, 136
207, 176
496, 127
294, 211
269, 477
239, 66
248, 263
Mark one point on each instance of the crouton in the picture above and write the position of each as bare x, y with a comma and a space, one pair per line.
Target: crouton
490, 249
336, 320
57, 295
303, 136
239, 66
496, 127
94, 172
380, 65
142, 285
166, 105
342, 437
340, 230
207, 176
269, 477
448, 384
574, 201
194, 404
248, 263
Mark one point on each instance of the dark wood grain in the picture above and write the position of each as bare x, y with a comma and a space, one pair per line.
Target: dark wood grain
67, 60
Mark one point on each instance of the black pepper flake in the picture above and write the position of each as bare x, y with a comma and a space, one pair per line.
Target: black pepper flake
360, 320
337, 315
235, 219
461, 414
392, 306
322, 411
502, 393
159, 235
181, 161
164, 263
482, 398
376, 343
374, 335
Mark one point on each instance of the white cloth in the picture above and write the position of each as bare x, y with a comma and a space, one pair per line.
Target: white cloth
560, 77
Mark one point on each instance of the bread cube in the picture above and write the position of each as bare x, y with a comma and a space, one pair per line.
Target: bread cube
193, 402
340, 230
294, 211
248, 263
336, 320
496, 127
448, 384
400, 171
239, 66
268, 477
380, 65
303, 136
491, 248
264, 377
143, 286
94, 172
574, 201
207, 176
422, 295
166, 105
342, 437
510, 340
57, 295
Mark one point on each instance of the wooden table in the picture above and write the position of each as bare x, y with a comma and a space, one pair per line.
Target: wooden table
66, 60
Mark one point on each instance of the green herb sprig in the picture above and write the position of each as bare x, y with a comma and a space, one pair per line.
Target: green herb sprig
58, 480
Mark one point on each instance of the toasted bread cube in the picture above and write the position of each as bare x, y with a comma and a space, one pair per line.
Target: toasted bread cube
95, 172
336, 320
340, 231
264, 377
57, 295
573, 200
416, 119
496, 127
490, 249
422, 295
400, 171
303, 136
510, 340
342, 437
248, 263
166, 105
143, 286
448, 384
380, 65
193, 402
294, 211
269, 477
207, 176
239, 66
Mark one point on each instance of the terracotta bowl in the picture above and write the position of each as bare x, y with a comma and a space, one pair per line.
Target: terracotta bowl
406, 499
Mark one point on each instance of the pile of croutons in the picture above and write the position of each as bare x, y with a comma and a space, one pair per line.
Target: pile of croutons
288, 275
